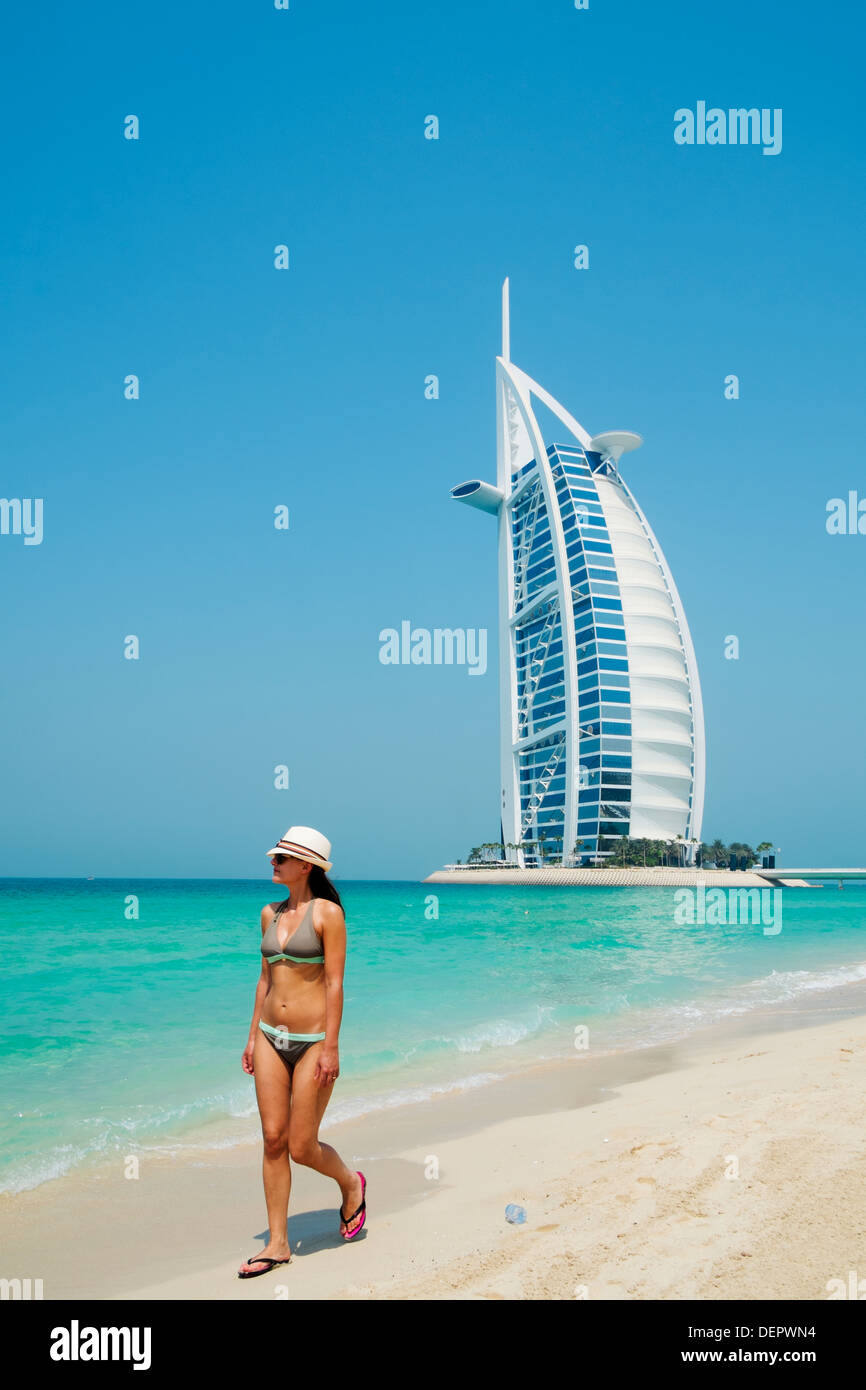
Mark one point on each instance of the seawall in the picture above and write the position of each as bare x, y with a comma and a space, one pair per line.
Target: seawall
608, 878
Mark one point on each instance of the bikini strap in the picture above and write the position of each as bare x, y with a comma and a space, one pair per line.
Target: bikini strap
281, 908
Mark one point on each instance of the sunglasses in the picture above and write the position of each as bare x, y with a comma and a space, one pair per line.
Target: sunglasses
280, 858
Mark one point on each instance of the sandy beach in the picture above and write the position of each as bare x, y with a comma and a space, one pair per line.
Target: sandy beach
725, 1166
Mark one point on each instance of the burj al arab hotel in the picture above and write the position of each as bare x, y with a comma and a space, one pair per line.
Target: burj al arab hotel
602, 728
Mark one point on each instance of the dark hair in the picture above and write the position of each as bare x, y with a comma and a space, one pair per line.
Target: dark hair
322, 887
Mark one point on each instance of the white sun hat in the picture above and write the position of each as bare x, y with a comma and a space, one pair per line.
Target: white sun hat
302, 842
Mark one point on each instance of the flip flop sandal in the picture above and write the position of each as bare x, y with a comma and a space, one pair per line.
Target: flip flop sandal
362, 1211
261, 1260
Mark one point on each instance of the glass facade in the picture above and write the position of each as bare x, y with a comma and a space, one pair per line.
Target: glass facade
602, 662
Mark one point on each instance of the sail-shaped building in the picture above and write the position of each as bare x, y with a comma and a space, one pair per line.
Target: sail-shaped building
602, 730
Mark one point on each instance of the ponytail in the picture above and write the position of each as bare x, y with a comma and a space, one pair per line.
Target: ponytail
322, 887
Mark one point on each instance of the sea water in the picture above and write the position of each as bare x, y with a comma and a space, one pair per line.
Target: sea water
124, 1035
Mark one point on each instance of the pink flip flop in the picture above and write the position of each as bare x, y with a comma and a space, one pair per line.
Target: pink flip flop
361, 1211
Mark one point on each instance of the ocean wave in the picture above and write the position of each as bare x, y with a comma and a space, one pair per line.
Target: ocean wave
779, 987
408, 1095
160, 1130
501, 1032
120, 1133
664, 1023
65, 1157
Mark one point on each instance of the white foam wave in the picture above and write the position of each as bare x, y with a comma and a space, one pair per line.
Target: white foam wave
409, 1095
500, 1032
779, 987
633, 1029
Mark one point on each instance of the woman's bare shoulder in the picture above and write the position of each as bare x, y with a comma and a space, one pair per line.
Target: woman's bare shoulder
268, 911
329, 914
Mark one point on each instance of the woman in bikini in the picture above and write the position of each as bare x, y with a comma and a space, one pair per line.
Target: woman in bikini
292, 1048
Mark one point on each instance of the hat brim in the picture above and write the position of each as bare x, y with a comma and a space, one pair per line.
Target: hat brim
308, 858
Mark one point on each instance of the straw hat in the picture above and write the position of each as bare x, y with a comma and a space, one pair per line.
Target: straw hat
302, 842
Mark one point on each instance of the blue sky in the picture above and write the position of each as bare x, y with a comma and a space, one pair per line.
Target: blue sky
306, 387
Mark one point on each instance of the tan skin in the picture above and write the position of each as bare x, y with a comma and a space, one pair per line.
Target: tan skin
304, 998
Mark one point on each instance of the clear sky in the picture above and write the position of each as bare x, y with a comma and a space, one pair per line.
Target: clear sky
305, 387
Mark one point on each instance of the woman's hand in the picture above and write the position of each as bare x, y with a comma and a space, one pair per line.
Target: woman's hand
327, 1067
247, 1059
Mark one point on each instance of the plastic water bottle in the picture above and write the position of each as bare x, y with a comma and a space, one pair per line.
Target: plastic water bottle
515, 1214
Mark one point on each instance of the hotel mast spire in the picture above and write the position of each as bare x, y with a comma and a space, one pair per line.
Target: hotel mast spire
506, 326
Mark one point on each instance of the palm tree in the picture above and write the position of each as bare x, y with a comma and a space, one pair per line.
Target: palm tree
719, 854
690, 844
745, 851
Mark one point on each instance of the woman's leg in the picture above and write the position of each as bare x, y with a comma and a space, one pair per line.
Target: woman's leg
274, 1094
309, 1102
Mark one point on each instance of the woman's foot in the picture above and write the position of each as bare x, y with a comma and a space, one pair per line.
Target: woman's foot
350, 1217
259, 1264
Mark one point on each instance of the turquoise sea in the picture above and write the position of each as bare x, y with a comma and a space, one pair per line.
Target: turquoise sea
122, 1036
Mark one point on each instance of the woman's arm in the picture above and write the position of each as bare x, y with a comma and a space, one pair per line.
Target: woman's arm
333, 925
262, 988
